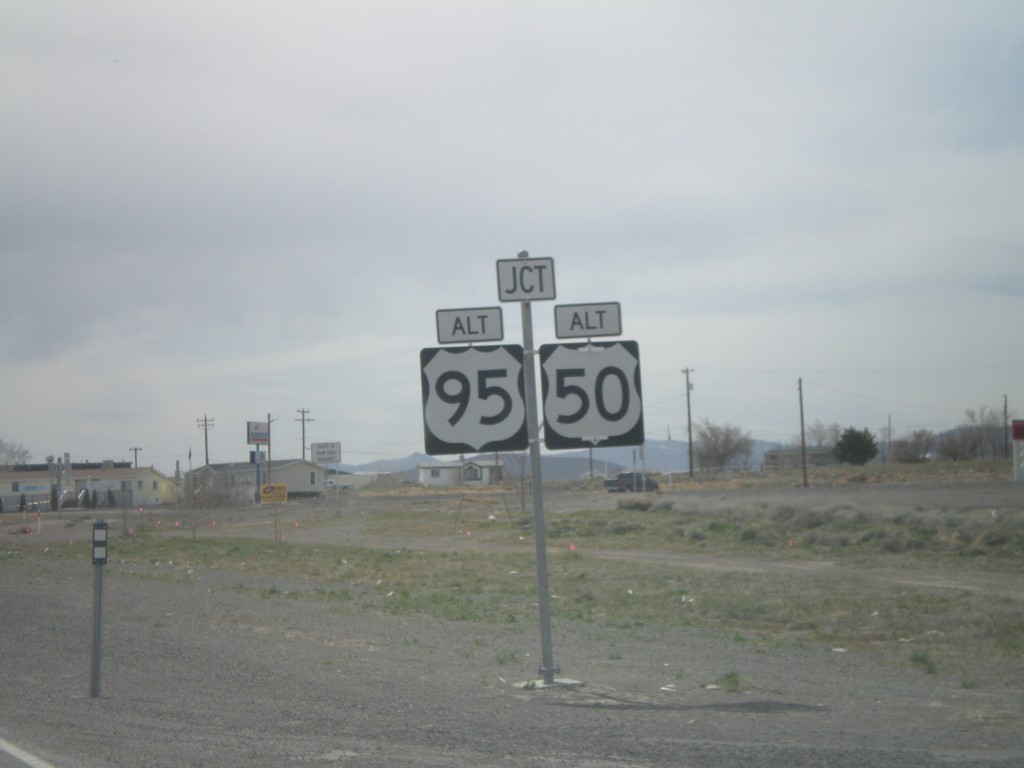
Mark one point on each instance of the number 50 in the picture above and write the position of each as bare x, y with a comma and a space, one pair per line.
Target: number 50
563, 390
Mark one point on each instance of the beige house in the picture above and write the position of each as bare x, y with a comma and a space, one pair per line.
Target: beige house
114, 483
236, 482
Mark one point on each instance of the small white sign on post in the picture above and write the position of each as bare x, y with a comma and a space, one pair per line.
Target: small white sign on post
574, 321
325, 453
462, 326
526, 279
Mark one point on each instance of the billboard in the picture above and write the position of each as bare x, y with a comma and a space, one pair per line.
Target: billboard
257, 432
325, 453
274, 493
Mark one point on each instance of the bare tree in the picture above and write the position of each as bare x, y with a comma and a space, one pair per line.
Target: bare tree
12, 454
718, 446
822, 435
958, 444
914, 447
988, 423
519, 478
979, 437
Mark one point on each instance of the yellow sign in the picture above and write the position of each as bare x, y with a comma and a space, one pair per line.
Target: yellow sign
274, 493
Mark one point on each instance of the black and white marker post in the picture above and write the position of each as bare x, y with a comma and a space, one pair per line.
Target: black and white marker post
99, 559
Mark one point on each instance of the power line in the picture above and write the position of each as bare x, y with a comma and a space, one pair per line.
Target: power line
882, 400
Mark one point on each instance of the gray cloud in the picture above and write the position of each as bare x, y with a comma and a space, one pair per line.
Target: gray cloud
238, 210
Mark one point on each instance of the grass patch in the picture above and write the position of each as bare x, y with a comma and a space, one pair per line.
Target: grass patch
493, 579
923, 661
730, 682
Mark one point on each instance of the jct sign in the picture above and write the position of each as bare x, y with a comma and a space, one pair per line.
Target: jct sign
473, 399
526, 279
591, 395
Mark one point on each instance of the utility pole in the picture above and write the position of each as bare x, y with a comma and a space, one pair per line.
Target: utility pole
803, 440
303, 419
136, 452
1006, 427
268, 449
205, 424
888, 442
689, 421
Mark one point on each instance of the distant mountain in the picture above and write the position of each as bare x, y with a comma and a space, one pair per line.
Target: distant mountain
655, 456
388, 465
662, 456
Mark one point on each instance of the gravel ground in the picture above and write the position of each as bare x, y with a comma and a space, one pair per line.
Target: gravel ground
202, 668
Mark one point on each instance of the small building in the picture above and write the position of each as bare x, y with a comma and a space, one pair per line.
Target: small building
472, 472
236, 482
792, 458
113, 483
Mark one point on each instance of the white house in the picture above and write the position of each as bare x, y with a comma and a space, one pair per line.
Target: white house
236, 481
446, 474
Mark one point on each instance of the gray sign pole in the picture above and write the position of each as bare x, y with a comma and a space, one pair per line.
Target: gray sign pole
548, 668
99, 559
97, 630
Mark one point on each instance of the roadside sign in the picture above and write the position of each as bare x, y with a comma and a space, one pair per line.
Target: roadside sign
462, 326
274, 493
473, 399
257, 433
325, 453
591, 395
586, 320
526, 279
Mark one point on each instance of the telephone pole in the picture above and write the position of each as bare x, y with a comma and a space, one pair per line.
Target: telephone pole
269, 421
136, 452
205, 424
303, 419
1006, 427
689, 421
803, 440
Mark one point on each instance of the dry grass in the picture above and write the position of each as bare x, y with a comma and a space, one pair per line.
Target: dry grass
939, 588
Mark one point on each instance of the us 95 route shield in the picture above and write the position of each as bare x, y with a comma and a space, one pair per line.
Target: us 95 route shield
473, 399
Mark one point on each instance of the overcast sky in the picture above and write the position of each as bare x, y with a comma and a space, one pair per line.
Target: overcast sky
242, 208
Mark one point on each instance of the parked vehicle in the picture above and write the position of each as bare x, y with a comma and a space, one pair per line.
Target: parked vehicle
626, 482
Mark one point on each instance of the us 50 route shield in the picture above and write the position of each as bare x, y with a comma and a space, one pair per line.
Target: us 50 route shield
591, 395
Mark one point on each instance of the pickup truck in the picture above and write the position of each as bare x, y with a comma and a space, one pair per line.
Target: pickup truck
625, 482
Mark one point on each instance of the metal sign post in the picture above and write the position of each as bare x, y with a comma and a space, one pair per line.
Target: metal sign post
548, 670
99, 559
514, 286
